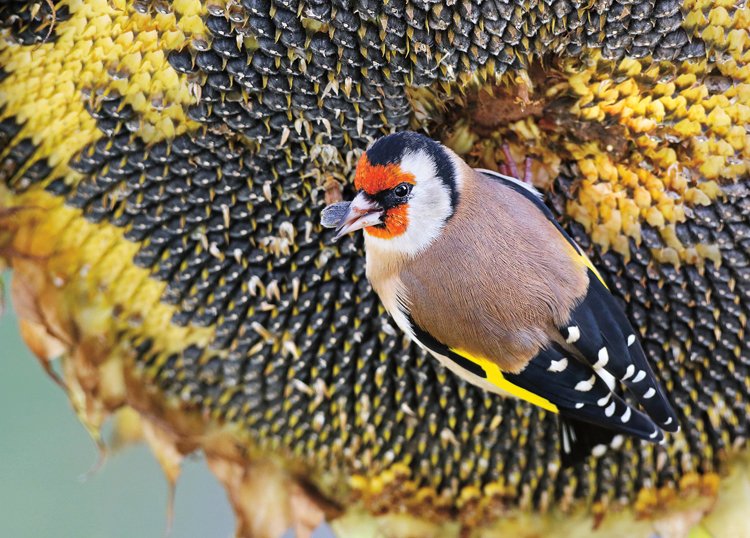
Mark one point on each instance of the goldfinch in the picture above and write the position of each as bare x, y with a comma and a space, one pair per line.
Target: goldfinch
473, 267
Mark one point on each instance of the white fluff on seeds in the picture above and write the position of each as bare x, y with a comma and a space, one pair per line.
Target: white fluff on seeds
598, 451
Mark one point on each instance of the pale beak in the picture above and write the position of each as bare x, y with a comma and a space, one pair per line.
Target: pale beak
362, 213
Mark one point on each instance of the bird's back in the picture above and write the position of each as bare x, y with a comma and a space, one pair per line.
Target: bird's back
499, 279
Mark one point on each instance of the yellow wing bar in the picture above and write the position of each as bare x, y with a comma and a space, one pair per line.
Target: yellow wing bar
580, 257
496, 377
585, 260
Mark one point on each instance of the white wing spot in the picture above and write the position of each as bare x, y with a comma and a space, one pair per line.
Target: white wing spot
603, 359
608, 378
649, 393
610, 410
640, 376
626, 415
654, 435
601, 402
631, 340
598, 451
585, 386
558, 366
629, 372
574, 333
668, 421
579, 405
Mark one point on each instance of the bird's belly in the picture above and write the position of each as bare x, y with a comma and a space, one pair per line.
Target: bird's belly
388, 294
390, 290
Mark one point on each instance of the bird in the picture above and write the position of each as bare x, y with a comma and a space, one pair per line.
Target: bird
160, 190
473, 267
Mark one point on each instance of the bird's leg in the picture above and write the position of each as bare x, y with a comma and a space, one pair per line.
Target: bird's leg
510, 162
527, 172
513, 169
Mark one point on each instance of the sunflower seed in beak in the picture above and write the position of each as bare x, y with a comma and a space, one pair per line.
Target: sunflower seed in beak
331, 216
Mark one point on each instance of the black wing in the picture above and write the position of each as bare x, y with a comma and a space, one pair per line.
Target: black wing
562, 384
601, 332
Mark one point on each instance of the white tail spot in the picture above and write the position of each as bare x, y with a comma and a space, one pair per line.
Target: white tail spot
626, 415
649, 393
629, 372
601, 402
610, 410
631, 340
558, 366
640, 376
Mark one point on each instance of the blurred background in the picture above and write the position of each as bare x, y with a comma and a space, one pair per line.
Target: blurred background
44, 451
45, 454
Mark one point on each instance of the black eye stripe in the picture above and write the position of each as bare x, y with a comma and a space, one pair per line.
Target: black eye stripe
390, 198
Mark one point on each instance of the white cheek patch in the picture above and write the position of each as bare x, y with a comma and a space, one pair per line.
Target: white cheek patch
429, 206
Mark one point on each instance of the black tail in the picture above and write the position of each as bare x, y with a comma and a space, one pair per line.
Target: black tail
580, 439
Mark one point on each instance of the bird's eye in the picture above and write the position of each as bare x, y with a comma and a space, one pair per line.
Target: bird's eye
402, 190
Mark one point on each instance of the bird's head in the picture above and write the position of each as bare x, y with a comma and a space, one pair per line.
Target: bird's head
407, 188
